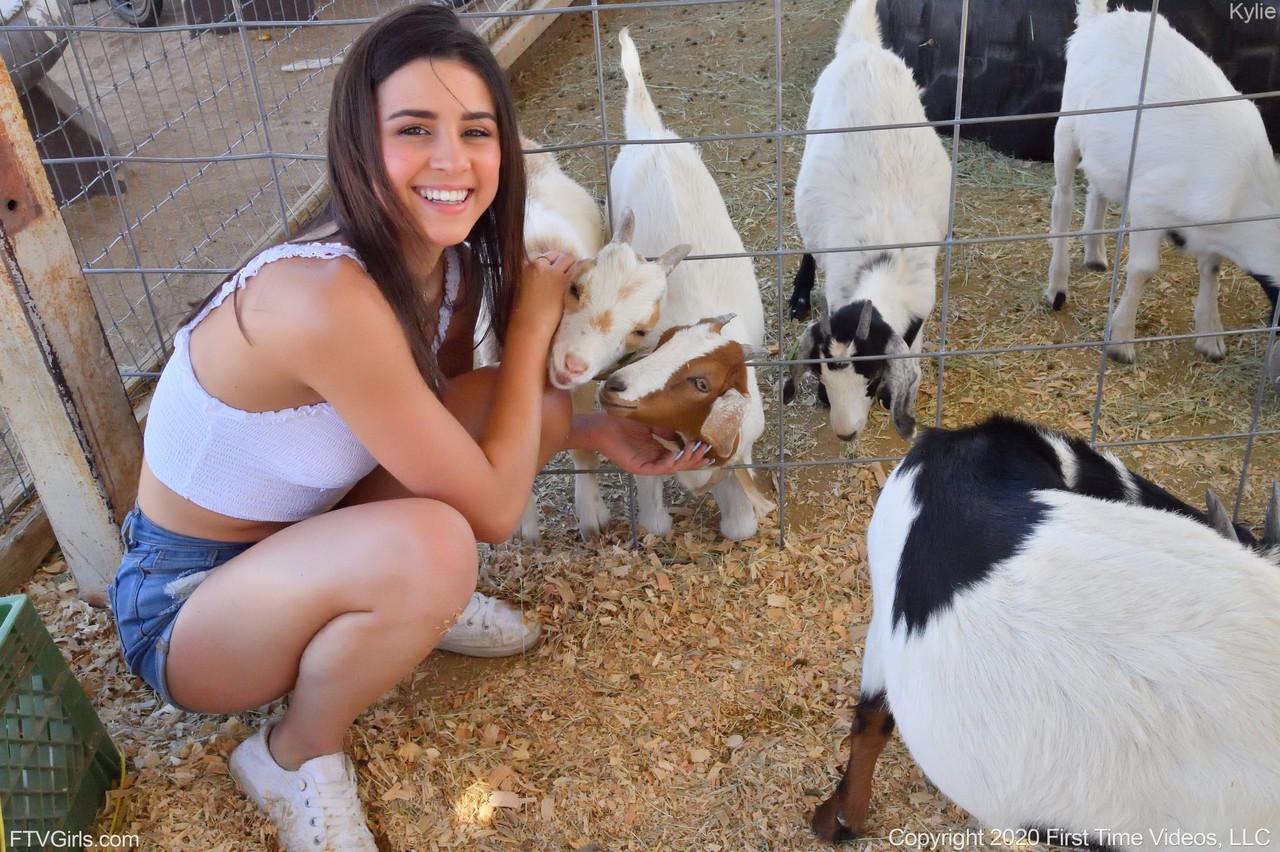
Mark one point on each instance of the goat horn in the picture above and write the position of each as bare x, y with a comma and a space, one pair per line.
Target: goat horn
1218, 517
720, 321
864, 323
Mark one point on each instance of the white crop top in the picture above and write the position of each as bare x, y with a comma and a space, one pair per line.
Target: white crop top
259, 466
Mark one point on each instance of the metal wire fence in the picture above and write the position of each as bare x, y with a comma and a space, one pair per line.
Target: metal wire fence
178, 150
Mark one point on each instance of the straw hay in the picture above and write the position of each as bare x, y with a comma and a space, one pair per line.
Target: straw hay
694, 693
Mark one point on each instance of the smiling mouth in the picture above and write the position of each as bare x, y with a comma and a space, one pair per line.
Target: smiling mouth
445, 197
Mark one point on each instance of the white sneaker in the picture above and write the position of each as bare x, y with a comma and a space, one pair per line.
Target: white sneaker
489, 627
315, 807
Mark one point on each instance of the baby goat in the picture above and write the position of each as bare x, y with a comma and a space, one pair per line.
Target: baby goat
664, 200
1065, 647
696, 382
559, 215
1197, 163
863, 188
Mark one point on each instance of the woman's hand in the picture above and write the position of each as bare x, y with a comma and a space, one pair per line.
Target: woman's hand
630, 445
540, 299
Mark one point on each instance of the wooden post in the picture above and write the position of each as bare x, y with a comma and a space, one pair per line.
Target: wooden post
62, 393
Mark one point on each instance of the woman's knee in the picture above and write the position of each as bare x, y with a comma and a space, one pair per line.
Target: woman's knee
432, 557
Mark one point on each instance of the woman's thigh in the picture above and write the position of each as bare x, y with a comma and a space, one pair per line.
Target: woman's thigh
238, 640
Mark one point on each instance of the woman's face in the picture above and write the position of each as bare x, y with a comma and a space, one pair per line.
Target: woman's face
440, 145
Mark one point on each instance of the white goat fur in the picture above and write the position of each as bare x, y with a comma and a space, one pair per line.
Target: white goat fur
559, 215
1122, 669
1196, 163
675, 200
870, 188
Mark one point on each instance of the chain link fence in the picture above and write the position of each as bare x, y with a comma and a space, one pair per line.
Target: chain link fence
178, 150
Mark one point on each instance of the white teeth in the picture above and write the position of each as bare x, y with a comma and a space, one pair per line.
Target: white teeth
445, 196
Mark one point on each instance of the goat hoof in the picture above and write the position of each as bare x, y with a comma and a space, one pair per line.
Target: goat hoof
1122, 353
659, 525
1212, 349
1059, 299
1095, 265
827, 826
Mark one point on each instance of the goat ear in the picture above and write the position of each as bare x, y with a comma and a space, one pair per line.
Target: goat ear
581, 268
902, 377
1218, 517
724, 422
1271, 528
806, 346
754, 353
626, 228
671, 257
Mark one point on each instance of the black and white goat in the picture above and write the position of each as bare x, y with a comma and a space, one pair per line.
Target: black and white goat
1196, 163
866, 188
1066, 647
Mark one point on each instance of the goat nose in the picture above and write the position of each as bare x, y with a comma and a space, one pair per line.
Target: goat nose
615, 385
848, 437
574, 365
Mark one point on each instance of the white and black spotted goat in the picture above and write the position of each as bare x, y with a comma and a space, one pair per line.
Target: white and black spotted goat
867, 188
1197, 163
1067, 648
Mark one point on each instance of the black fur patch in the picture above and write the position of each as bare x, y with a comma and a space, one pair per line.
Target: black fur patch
1271, 289
1177, 239
802, 288
980, 479
844, 324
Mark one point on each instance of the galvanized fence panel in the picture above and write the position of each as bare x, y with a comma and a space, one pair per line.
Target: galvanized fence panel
180, 149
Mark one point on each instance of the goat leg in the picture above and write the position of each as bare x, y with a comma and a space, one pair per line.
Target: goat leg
844, 815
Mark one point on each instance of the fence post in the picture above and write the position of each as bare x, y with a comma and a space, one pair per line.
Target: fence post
62, 392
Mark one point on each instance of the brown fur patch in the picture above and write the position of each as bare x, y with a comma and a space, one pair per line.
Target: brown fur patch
603, 321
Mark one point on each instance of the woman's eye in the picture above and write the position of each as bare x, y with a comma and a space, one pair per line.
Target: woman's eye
414, 130
478, 132
701, 384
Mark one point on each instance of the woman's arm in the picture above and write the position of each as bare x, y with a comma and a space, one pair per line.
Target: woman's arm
347, 345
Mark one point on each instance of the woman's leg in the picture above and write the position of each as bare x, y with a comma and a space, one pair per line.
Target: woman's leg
336, 609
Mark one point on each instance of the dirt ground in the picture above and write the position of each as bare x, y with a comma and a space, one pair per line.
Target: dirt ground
694, 693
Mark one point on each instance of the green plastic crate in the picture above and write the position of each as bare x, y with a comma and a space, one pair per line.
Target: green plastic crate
56, 760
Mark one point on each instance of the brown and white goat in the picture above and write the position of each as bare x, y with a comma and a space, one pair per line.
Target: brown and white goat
697, 383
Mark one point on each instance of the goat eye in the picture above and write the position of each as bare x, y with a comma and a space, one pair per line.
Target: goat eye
575, 291
640, 332
700, 383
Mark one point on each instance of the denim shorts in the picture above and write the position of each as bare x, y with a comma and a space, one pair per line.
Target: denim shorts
156, 576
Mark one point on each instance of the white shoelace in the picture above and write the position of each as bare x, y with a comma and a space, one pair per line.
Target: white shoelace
341, 823
480, 608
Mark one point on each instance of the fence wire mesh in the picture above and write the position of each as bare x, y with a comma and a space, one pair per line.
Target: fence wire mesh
177, 150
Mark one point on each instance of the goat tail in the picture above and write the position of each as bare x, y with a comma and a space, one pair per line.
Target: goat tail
1086, 9
640, 117
861, 24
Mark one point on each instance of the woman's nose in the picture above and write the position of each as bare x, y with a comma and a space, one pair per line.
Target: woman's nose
448, 154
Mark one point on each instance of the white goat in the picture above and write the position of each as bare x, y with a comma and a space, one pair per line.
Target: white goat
1068, 649
559, 215
1197, 163
865, 188
663, 196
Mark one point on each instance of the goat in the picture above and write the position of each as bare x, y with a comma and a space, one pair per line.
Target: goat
1197, 163
1066, 647
696, 383
560, 215
863, 188
664, 200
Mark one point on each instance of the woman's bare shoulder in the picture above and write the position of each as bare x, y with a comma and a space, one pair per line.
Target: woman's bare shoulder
297, 298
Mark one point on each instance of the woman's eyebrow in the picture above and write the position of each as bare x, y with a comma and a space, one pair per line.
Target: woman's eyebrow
431, 116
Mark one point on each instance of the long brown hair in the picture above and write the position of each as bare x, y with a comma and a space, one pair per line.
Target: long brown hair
367, 211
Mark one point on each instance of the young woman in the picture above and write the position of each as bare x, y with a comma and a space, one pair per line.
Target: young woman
339, 370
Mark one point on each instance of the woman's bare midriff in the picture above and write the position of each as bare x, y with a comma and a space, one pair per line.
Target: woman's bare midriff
177, 514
